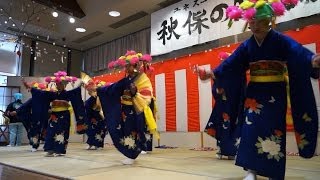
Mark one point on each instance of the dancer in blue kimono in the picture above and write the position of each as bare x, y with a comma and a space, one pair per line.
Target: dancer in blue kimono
126, 107
147, 148
96, 123
262, 146
24, 114
59, 123
36, 130
223, 119
148, 144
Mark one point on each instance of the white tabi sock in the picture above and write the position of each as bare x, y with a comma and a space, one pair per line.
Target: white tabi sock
251, 175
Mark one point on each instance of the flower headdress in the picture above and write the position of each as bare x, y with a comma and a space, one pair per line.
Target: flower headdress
259, 9
133, 58
61, 77
96, 83
41, 86
90, 83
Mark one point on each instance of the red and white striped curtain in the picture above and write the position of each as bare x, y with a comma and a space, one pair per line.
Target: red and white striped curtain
184, 101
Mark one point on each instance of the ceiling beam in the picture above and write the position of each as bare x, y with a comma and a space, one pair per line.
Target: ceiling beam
69, 7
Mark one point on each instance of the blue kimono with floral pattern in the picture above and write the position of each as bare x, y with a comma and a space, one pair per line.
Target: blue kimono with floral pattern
224, 124
36, 130
96, 124
262, 146
125, 126
58, 129
24, 114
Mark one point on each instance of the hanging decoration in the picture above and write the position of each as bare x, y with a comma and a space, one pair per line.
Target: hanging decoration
18, 16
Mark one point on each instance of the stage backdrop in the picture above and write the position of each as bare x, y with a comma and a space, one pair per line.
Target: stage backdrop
184, 101
192, 22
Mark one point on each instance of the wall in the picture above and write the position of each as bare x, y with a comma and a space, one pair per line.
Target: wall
50, 59
25, 58
8, 59
76, 63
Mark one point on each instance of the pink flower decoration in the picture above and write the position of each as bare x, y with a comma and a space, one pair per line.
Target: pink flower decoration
60, 74
74, 79
278, 8
146, 57
63, 73
233, 12
42, 86
290, 2
57, 80
134, 60
131, 52
121, 62
223, 55
250, 13
111, 64
69, 79
48, 79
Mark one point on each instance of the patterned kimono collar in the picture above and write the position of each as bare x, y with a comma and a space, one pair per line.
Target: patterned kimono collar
132, 78
260, 44
60, 92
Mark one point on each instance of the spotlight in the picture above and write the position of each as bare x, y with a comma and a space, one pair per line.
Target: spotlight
55, 14
72, 20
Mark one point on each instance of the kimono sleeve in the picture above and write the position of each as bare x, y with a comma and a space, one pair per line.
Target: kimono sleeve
111, 104
235, 64
303, 105
78, 108
24, 113
40, 104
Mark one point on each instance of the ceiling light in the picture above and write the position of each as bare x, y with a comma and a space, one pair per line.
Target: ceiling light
72, 20
114, 13
5, 22
13, 25
81, 29
55, 14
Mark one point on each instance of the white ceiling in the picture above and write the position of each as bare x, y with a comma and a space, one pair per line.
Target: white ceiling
96, 19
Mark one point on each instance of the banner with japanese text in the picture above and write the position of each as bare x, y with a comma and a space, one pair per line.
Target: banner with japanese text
192, 22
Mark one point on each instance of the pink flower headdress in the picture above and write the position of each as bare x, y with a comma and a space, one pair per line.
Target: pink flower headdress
259, 9
133, 58
61, 77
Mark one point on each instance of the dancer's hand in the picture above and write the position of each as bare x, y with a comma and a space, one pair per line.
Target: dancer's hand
133, 89
25, 84
316, 61
203, 74
90, 87
13, 113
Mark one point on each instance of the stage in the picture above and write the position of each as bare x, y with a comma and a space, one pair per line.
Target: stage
179, 163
